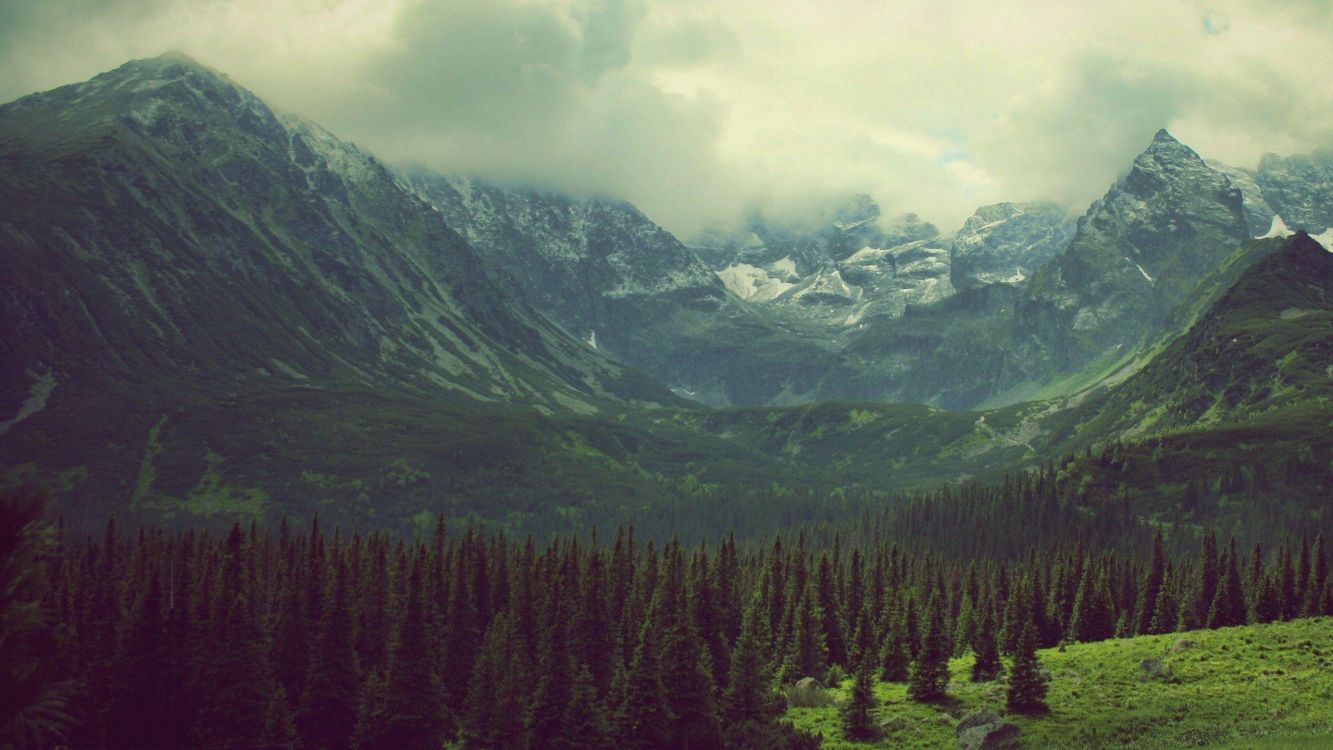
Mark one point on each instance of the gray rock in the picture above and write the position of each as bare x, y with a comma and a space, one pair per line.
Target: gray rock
1154, 669
978, 718
1005, 243
998, 736
1299, 188
809, 683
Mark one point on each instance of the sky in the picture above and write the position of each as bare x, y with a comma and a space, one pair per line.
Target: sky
703, 112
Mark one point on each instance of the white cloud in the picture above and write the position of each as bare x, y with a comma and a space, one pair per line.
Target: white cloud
699, 110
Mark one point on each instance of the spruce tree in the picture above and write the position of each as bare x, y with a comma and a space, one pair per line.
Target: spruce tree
807, 651
857, 724
1094, 610
644, 719
1228, 606
750, 695
1027, 685
1318, 584
414, 714
930, 672
987, 663
895, 655
1151, 587
326, 715
585, 719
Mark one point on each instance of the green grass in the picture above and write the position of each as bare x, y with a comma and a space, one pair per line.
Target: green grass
1259, 686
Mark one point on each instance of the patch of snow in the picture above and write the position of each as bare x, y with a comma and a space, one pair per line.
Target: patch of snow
1277, 229
785, 268
38, 393
754, 284
1145, 273
592, 338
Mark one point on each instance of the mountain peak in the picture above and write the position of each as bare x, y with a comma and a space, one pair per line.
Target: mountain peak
1163, 136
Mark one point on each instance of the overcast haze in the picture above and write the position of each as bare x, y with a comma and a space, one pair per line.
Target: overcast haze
699, 111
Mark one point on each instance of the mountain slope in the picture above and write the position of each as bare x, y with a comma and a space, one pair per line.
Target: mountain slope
631, 290
1264, 348
162, 221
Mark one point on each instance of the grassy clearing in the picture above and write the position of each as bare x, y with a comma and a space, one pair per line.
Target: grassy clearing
1259, 686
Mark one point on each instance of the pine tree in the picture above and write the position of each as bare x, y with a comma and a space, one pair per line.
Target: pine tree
326, 715
895, 655
1228, 606
987, 663
414, 715
1318, 584
750, 695
1027, 685
1094, 610
644, 719
585, 720
487, 721
138, 715
1151, 587
807, 654
930, 672
857, 725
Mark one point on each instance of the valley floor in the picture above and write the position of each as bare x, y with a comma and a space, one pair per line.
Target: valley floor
1256, 686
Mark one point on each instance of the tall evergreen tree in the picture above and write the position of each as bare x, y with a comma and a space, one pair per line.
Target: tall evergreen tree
1027, 685
326, 715
414, 716
1151, 587
644, 719
750, 695
986, 666
857, 724
930, 672
1094, 610
1228, 607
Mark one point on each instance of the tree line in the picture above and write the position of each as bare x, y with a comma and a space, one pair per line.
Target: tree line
315, 639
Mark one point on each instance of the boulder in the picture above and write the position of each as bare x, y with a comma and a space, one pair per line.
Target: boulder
1184, 644
978, 718
1154, 669
997, 736
809, 683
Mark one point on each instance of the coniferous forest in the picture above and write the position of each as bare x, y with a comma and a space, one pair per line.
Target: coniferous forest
313, 637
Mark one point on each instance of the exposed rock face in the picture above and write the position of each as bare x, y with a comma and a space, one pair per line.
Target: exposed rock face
580, 261
1135, 256
1005, 243
847, 266
1258, 214
631, 290
162, 221
1299, 189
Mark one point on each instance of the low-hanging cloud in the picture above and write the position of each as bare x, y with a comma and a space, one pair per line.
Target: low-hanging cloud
700, 111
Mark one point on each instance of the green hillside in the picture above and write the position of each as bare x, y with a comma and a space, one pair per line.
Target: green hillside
1257, 686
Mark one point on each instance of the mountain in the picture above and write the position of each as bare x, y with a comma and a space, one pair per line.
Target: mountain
205, 303
1005, 243
833, 271
1134, 257
161, 219
1299, 189
631, 290
1262, 350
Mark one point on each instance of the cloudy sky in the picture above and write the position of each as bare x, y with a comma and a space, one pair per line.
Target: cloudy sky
700, 111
